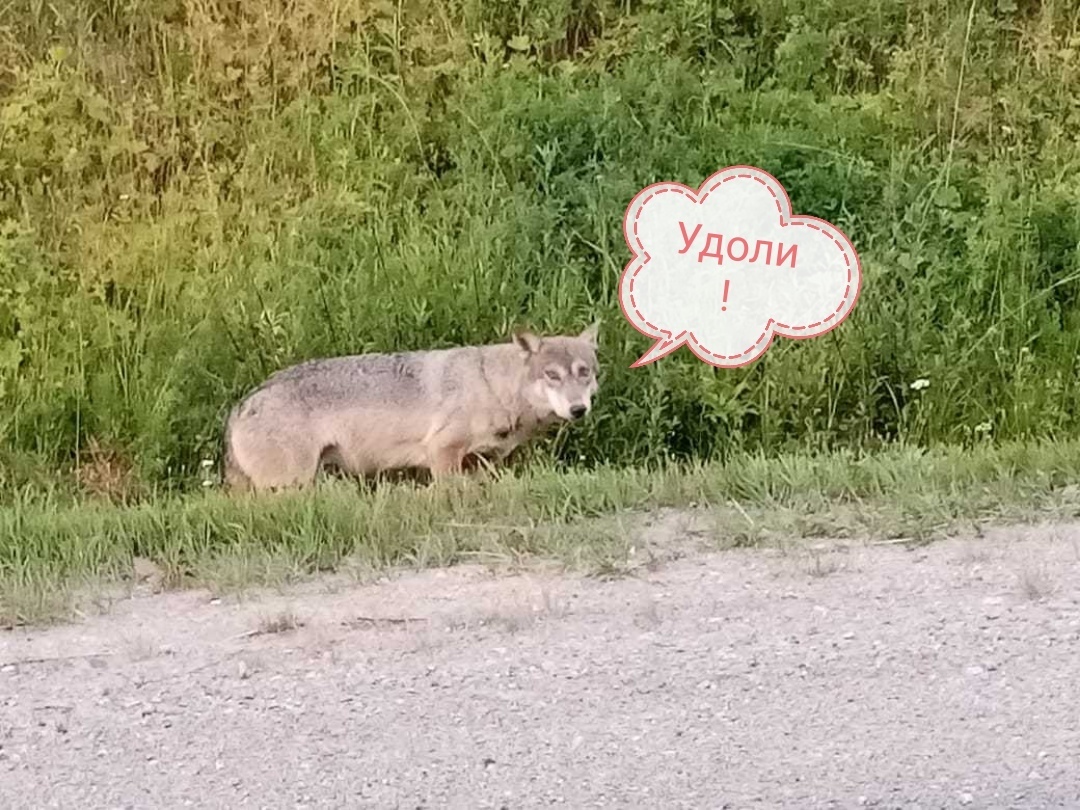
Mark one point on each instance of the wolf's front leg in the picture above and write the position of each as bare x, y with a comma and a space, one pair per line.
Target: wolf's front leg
446, 461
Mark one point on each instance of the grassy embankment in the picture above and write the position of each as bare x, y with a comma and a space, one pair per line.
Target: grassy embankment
193, 194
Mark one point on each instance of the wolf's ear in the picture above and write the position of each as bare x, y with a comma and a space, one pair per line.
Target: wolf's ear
529, 342
592, 333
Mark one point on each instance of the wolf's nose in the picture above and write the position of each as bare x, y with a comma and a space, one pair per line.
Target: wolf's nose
578, 411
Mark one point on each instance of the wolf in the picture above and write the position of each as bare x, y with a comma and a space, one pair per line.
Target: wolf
372, 413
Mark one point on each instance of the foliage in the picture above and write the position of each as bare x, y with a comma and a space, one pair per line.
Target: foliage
195, 192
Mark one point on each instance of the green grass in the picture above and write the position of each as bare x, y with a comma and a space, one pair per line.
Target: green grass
193, 195
587, 520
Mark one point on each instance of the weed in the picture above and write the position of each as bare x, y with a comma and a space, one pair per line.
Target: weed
1035, 583
282, 622
190, 201
585, 520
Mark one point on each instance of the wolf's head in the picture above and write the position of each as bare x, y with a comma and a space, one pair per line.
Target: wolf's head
562, 372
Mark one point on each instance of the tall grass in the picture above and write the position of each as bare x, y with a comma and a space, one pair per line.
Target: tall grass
196, 192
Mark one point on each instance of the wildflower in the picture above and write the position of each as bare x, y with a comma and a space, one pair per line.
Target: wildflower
920, 384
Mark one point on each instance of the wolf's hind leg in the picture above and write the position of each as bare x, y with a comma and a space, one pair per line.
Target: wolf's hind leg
278, 466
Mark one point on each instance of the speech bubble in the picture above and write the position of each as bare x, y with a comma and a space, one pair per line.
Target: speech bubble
724, 269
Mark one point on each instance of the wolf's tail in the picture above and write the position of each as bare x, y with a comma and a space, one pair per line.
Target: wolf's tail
234, 477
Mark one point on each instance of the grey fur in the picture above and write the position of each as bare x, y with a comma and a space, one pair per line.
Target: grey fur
424, 409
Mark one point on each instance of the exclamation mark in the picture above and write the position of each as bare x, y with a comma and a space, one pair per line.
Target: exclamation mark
727, 282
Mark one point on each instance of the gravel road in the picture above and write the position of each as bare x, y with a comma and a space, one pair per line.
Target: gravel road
854, 676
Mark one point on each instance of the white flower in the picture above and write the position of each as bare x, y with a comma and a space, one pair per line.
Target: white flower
207, 463
920, 384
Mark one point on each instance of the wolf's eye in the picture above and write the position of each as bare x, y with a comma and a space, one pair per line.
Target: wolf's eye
552, 375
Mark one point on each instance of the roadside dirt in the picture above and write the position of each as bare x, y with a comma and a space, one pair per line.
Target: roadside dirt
937, 677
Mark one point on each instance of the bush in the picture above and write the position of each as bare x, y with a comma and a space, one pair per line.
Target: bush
192, 195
